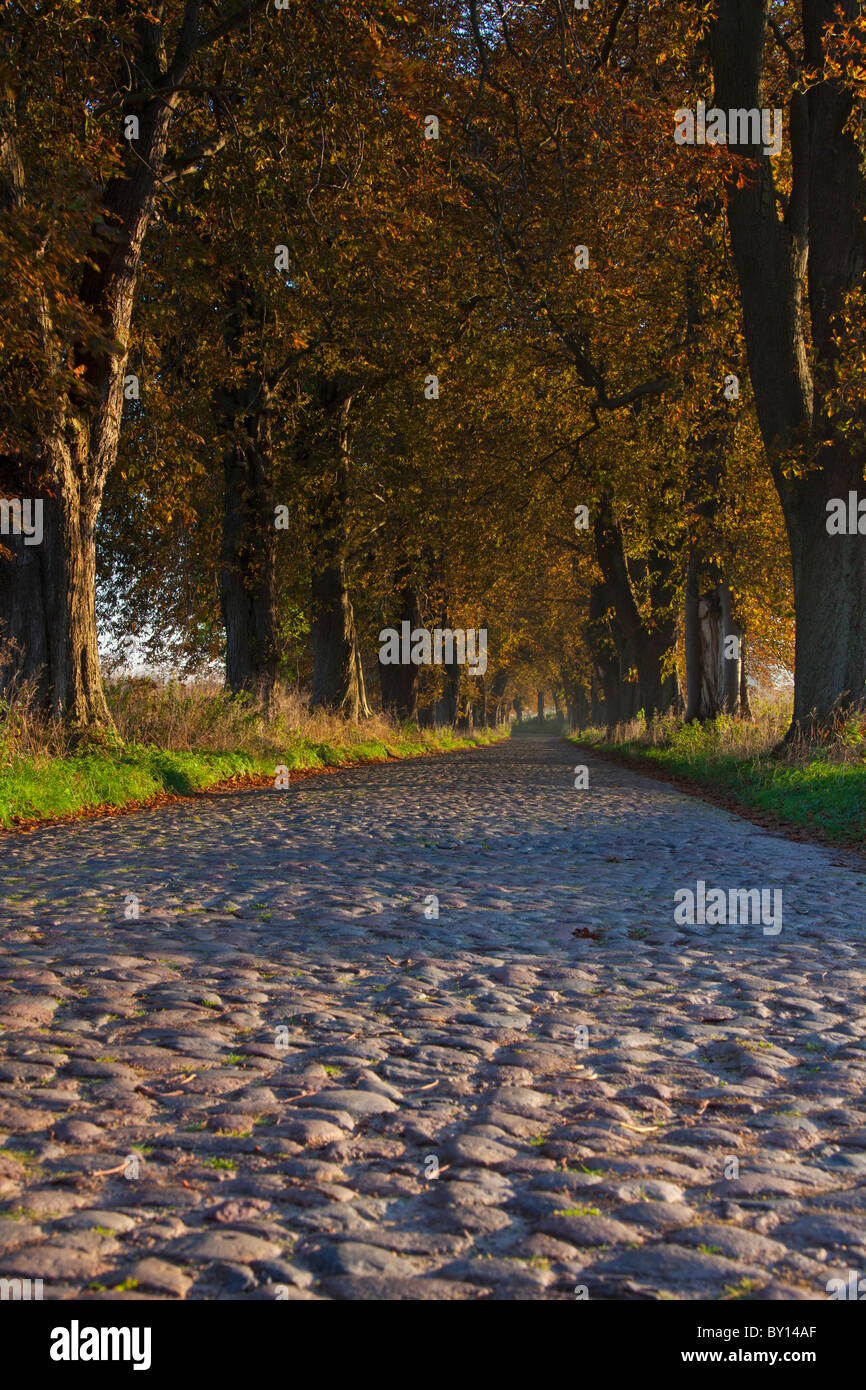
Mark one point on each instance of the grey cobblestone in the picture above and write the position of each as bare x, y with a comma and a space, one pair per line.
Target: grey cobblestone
338, 1053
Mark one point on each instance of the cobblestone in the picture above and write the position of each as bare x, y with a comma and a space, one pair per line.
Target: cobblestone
429, 1030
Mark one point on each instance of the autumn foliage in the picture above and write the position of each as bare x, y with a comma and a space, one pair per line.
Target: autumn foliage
316, 319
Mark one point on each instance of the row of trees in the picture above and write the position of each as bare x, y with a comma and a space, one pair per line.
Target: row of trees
321, 319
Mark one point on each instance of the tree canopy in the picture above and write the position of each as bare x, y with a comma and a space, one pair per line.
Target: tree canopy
319, 320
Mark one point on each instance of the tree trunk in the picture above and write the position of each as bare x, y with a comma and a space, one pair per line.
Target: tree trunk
671, 696
47, 601
745, 708
658, 689
48, 604
710, 626
596, 698
338, 676
719, 677
248, 559
732, 660
693, 639
540, 704
496, 695
576, 703
611, 660
398, 683
247, 573
829, 600
810, 260
450, 701
645, 645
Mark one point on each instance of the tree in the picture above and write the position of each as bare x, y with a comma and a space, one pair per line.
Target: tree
106, 97
798, 243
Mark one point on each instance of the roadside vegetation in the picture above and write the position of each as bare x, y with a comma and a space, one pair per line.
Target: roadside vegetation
176, 739
817, 788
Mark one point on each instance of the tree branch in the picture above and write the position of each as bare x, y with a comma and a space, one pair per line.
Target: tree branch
607, 46
180, 168
278, 376
234, 21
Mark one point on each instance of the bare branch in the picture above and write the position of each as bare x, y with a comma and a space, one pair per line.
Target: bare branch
607, 46
179, 169
278, 376
234, 21
795, 61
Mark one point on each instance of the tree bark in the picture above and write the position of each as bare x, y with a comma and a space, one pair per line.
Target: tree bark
647, 646
716, 681
248, 561
612, 657
745, 708
596, 698
711, 627
495, 696
693, 639
338, 675
247, 573
49, 603
448, 706
398, 683
577, 707
47, 599
823, 230
732, 661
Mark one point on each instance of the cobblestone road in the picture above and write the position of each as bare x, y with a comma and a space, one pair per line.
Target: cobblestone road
289, 1078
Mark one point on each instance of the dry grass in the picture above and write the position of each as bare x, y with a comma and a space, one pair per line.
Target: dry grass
24, 730
190, 717
820, 788
199, 716
741, 739
178, 738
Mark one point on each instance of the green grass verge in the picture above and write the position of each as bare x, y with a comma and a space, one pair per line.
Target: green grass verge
819, 794
48, 788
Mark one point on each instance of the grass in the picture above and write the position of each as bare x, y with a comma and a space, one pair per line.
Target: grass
177, 739
820, 788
